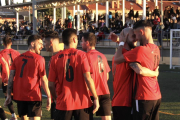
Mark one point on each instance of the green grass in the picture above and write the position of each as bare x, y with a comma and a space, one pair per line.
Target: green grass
169, 84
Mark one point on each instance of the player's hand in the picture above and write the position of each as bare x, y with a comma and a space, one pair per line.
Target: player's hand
48, 106
113, 37
95, 105
7, 101
5, 81
157, 71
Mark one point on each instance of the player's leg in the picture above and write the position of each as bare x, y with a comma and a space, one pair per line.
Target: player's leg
34, 110
53, 108
35, 118
143, 109
22, 108
10, 105
105, 107
83, 114
106, 117
155, 115
62, 115
2, 114
122, 113
24, 117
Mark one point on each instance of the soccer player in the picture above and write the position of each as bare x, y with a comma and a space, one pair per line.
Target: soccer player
147, 91
51, 41
123, 80
28, 71
9, 54
100, 74
71, 68
4, 65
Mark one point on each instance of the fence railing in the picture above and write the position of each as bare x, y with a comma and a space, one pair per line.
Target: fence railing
102, 40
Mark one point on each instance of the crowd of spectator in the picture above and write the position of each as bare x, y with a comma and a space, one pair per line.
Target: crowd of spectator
171, 20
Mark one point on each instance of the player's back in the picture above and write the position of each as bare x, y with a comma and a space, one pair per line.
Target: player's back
100, 68
69, 66
29, 68
9, 55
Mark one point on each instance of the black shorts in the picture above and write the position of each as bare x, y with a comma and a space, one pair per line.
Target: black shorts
82, 114
53, 108
105, 105
146, 109
29, 108
122, 113
4, 88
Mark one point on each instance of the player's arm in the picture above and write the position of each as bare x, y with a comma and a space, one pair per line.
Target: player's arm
46, 90
118, 58
52, 89
9, 87
107, 76
91, 86
143, 70
6, 67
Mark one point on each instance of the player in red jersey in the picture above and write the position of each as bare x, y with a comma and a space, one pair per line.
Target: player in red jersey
123, 80
5, 67
51, 44
71, 68
28, 71
9, 54
100, 74
147, 91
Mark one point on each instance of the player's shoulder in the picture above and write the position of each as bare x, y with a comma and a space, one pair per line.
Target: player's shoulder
2, 51
80, 52
140, 49
56, 55
15, 51
39, 57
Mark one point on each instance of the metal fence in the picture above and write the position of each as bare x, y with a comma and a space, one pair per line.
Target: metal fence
102, 40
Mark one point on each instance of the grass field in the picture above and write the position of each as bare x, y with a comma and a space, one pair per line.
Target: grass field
169, 84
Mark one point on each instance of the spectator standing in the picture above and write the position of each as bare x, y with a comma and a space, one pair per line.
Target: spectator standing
70, 19
136, 15
172, 10
131, 12
157, 11
166, 12
116, 14
178, 10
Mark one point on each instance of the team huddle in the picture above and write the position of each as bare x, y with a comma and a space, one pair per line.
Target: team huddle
77, 83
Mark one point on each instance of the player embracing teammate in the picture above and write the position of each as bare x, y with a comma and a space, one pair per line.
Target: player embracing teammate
146, 95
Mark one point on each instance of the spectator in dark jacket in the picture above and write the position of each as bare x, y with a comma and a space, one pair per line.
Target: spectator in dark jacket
131, 12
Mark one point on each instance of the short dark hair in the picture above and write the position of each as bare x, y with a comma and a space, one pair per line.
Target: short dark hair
33, 38
142, 23
67, 34
51, 35
89, 36
7, 40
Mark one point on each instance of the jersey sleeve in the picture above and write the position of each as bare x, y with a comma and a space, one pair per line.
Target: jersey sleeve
52, 72
1, 62
135, 55
85, 63
41, 69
